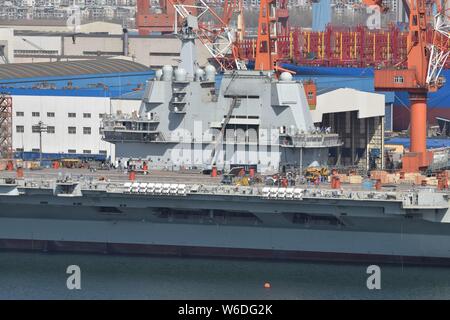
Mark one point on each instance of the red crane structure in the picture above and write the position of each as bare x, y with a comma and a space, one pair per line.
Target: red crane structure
273, 32
159, 18
424, 63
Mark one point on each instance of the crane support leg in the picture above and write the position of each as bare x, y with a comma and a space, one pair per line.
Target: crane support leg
418, 123
418, 158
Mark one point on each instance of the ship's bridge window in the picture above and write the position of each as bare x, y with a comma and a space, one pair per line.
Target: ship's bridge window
241, 96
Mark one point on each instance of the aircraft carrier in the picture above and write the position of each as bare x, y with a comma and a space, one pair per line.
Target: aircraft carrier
189, 214
251, 120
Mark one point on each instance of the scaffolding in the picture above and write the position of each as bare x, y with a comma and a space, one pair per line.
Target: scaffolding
5, 126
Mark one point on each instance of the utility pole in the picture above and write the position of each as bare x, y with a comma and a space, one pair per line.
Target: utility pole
42, 128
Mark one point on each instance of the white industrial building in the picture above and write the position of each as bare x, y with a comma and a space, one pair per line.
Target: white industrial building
73, 123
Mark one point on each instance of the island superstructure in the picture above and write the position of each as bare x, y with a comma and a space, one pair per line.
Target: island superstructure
189, 120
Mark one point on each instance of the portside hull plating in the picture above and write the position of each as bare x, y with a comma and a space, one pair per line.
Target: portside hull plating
77, 228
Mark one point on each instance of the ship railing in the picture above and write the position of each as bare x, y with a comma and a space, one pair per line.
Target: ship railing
112, 121
316, 140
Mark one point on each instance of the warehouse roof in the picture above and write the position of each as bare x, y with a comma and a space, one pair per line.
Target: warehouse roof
81, 67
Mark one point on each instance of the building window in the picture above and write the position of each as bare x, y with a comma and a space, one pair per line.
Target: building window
102, 115
50, 114
72, 151
35, 114
36, 52
50, 129
19, 114
86, 130
35, 150
19, 149
86, 115
35, 129
72, 130
72, 115
398, 79
87, 151
20, 129
103, 152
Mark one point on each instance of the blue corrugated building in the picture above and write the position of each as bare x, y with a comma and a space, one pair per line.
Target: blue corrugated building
87, 78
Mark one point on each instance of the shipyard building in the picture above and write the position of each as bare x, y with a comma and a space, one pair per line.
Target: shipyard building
69, 99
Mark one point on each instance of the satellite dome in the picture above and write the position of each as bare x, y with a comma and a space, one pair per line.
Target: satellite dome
199, 74
286, 76
158, 74
210, 72
167, 72
180, 74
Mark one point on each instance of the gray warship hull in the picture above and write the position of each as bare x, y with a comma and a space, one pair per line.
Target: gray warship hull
240, 222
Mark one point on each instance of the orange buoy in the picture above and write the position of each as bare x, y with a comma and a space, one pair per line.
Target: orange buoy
214, 172
267, 285
131, 175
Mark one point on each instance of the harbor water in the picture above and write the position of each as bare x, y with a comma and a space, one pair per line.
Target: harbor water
44, 276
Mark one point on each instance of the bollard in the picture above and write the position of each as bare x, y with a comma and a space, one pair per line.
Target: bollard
10, 166
19, 173
378, 184
337, 183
